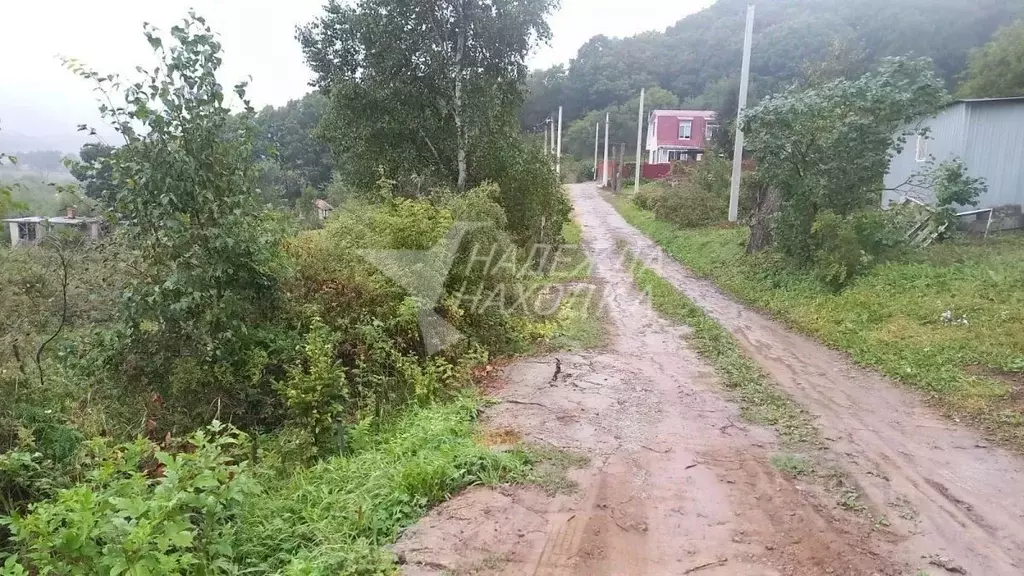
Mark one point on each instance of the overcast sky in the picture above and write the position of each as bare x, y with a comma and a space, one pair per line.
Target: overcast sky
41, 100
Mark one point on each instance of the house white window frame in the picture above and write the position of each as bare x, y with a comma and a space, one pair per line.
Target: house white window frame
921, 150
688, 124
709, 131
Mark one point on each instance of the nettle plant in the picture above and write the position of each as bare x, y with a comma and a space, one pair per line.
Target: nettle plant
141, 510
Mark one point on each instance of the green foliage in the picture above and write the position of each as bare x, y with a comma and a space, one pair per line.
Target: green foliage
203, 260
847, 247
459, 95
529, 192
315, 392
697, 196
996, 69
94, 170
793, 40
142, 510
891, 317
802, 139
286, 135
334, 518
953, 188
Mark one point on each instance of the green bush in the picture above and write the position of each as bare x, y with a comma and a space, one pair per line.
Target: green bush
697, 196
141, 510
649, 195
847, 247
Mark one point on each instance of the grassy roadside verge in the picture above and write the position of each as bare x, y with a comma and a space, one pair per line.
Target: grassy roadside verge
577, 323
892, 319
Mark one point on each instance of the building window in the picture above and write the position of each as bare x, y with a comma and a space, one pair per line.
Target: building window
26, 231
709, 131
685, 129
921, 153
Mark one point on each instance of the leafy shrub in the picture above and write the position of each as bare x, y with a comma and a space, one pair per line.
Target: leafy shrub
141, 510
649, 195
698, 197
847, 247
314, 390
794, 137
954, 188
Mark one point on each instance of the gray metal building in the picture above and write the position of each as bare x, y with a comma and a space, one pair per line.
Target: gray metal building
987, 134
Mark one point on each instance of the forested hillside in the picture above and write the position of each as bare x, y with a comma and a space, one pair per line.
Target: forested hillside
698, 58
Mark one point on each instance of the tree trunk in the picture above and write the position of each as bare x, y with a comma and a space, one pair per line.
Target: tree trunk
460, 127
766, 205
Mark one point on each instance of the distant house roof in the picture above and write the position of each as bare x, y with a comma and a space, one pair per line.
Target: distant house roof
52, 220
697, 113
65, 220
323, 205
1004, 99
26, 220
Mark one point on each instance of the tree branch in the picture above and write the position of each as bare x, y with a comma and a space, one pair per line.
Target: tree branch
63, 313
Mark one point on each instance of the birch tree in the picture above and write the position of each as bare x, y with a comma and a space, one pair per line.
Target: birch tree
417, 85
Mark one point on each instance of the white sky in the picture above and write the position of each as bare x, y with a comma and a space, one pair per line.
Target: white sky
39, 98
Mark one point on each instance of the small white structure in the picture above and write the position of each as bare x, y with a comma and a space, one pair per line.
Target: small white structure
29, 230
323, 209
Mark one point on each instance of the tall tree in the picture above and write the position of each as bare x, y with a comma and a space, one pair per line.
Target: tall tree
93, 169
827, 147
287, 136
202, 261
415, 85
997, 69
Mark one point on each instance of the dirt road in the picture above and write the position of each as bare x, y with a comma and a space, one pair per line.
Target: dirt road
679, 484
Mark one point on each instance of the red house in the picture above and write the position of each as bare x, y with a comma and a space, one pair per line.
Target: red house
678, 134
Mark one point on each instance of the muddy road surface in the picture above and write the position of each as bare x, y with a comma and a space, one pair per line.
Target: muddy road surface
677, 483
948, 492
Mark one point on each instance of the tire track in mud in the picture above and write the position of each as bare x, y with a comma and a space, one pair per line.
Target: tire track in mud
949, 493
673, 485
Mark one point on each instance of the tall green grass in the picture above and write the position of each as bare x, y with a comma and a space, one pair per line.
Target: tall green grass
335, 517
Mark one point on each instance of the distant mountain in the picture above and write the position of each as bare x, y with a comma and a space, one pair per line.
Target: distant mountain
23, 129
699, 57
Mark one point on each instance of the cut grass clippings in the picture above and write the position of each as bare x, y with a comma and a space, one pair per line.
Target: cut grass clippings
760, 401
892, 318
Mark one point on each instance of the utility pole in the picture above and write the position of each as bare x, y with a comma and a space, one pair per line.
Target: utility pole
546, 149
639, 142
737, 152
597, 140
604, 169
558, 158
552, 122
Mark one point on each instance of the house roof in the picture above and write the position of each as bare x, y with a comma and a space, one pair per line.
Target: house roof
323, 205
65, 220
696, 113
26, 220
51, 220
1004, 99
